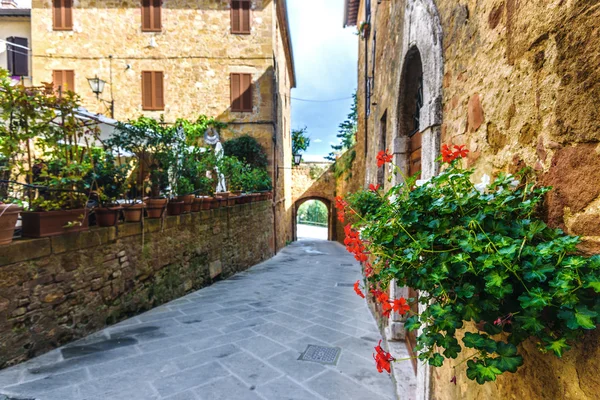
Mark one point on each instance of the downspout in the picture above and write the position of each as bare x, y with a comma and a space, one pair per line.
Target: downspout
366, 93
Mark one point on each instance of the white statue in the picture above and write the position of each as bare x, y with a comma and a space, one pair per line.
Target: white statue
211, 137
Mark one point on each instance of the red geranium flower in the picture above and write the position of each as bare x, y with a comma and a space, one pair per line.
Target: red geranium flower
386, 309
401, 306
382, 359
357, 289
447, 154
374, 188
460, 151
383, 157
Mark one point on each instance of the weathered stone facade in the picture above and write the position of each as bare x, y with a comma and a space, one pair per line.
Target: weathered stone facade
519, 87
197, 53
58, 289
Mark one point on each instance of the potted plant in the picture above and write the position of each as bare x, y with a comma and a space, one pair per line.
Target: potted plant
109, 180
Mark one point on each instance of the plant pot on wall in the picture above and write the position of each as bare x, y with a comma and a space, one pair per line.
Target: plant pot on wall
133, 212
188, 201
9, 213
206, 203
197, 204
108, 216
156, 207
52, 223
175, 208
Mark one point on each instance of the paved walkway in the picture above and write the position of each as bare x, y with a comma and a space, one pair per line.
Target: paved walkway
237, 339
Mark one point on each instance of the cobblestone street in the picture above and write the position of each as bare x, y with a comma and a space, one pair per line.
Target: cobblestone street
238, 339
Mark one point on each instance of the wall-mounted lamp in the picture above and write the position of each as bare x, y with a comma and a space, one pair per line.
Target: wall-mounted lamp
297, 159
97, 86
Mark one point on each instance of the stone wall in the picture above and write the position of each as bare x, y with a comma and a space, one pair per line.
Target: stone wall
55, 290
520, 88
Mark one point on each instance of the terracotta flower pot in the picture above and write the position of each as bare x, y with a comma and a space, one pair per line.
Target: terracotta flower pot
236, 193
188, 201
222, 195
52, 223
206, 203
197, 204
9, 213
156, 207
175, 208
133, 212
218, 203
107, 216
232, 201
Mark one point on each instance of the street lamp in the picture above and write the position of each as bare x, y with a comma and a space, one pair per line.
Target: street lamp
297, 159
97, 86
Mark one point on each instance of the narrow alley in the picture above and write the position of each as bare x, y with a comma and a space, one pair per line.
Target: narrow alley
240, 338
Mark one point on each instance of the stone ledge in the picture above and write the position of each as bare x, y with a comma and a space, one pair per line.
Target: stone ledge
82, 240
25, 249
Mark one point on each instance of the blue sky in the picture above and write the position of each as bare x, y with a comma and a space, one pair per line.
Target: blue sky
325, 55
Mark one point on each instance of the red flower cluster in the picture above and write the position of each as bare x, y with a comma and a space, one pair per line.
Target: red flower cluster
368, 270
357, 289
398, 305
354, 244
448, 155
383, 157
374, 188
341, 205
382, 359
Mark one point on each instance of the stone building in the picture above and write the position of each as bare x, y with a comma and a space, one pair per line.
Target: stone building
518, 83
171, 59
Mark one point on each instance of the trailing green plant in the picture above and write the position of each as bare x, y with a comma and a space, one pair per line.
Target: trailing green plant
476, 253
194, 130
247, 149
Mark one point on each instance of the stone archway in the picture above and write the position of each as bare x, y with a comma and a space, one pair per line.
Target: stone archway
330, 219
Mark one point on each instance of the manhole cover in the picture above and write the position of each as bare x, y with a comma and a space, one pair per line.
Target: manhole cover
344, 284
321, 354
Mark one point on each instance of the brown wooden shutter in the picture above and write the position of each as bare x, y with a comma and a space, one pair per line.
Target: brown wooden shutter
62, 12
151, 15
246, 95
63, 80
241, 92
153, 97
240, 16
236, 101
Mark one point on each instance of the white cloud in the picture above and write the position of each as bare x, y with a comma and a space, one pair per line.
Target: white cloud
313, 158
317, 141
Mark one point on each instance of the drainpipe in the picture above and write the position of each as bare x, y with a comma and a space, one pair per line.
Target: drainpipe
366, 93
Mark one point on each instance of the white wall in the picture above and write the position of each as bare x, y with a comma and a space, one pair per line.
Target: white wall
14, 26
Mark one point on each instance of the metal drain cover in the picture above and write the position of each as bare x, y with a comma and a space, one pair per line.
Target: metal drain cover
340, 284
321, 354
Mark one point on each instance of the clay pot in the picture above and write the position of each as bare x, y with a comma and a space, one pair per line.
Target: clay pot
52, 223
133, 212
236, 193
218, 203
232, 201
175, 208
107, 216
197, 204
222, 195
207, 203
156, 207
9, 213
188, 201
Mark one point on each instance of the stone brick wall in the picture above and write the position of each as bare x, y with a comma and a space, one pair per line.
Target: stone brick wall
58, 289
520, 88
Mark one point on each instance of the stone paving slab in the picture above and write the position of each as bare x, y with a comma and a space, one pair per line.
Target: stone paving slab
237, 339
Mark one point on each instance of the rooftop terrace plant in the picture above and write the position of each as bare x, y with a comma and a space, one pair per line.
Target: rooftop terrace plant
476, 253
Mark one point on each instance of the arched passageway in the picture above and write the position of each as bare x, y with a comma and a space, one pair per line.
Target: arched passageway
314, 230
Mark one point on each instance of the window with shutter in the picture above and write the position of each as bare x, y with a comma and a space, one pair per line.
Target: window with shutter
153, 91
18, 58
240, 16
62, 12
63, 80
241, 92
151, 15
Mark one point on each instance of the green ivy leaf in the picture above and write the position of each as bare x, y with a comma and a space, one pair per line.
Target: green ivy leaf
508, 359
558, 346
580, 318
481, 372
412, 323
451, 346
536, 299
530, 323
479, 342
437, 360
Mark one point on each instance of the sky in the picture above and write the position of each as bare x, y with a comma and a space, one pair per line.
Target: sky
325, 55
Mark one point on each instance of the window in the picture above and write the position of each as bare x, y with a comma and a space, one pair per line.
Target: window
63, 80
153, 91
240, 16
241, 92
18, 59
151, 15
62, 12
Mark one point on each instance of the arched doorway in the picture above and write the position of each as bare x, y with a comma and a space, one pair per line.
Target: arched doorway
313, 219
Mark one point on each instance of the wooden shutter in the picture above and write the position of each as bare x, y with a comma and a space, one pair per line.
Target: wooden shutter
18, 58
241, 92
151, 15
63, 80
153, 98
240, 16
62, 12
